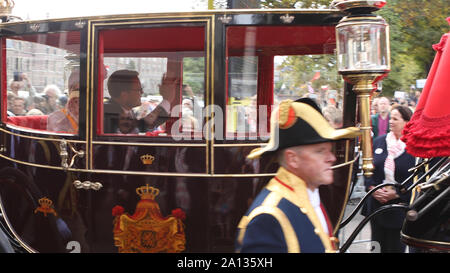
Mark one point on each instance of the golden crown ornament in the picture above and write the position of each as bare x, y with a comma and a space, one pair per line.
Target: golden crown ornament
147, 192
147, 159
45, 206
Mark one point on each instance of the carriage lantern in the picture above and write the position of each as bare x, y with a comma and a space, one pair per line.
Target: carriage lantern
363, 59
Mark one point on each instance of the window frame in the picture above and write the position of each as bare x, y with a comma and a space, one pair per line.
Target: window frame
100, 86
14, 31
265, 55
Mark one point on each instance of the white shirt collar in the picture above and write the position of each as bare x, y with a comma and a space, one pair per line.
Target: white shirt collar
314, 197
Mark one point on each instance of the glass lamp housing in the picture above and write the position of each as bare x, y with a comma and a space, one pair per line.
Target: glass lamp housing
363, 45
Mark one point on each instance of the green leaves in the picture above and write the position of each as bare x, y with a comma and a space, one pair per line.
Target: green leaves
415, 26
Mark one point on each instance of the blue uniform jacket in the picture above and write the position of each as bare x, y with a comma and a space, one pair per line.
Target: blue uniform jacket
281, 219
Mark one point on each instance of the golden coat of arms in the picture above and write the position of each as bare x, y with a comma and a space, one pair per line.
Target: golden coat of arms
147, 231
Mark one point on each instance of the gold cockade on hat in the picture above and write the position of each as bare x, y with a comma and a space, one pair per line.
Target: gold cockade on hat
286, 115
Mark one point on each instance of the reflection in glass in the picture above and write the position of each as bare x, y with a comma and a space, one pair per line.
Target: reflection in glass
170, 77
43, 81
268, 64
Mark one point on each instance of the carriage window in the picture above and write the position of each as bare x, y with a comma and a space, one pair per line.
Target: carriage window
153, 81
42, 74
312, 76
267, 64
242, 93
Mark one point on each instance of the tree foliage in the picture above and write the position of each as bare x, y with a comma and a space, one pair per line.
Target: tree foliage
274, 4
193, 74
420, 24
299, 71
415, 25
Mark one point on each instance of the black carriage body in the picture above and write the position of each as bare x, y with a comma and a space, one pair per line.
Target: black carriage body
58, 190
427, 224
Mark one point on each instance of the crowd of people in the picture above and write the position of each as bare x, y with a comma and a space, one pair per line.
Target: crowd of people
61, 107
23, 99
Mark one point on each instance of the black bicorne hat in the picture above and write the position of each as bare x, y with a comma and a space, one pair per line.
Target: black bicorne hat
300, 123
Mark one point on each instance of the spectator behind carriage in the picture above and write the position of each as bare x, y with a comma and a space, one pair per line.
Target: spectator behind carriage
189, 122
391, 163
125, 89
333, 115
66, 118
380, 121
34, 112
37, 102
51, 94
19, 106
374, 106
15, 87
62, 100
10, 99
412, 105
20, 85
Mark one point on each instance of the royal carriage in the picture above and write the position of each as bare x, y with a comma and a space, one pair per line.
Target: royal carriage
184, 185
188, 184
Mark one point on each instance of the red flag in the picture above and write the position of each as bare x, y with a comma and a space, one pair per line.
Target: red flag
316, 76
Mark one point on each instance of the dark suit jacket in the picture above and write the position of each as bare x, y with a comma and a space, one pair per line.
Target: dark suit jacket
112, 111
393, 218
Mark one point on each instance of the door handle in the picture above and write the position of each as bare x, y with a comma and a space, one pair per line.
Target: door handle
87, 185
65, 155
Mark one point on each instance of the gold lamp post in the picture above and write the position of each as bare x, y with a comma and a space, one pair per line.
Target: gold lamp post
363, 60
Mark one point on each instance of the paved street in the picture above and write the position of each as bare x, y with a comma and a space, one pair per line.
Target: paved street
362, 243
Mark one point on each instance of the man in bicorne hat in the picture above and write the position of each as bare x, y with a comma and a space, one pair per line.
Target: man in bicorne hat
287, 215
